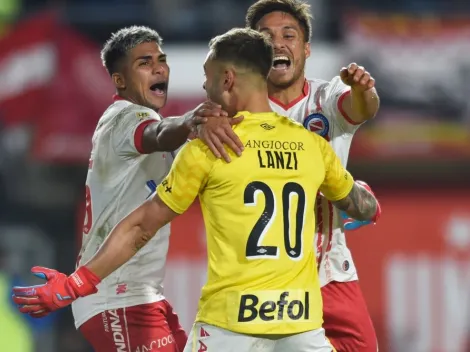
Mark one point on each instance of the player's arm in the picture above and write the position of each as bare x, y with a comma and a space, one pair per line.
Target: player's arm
124, 241
130, 235
339, 187
362, 103
215, 130
174, 195
360, 203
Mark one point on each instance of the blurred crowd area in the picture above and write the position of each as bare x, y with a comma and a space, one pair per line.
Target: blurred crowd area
413, 265
193, 20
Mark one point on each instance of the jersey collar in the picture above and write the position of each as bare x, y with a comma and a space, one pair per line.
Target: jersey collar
303, 94
117, 97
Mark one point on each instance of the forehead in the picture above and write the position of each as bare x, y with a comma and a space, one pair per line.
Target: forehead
277, 20
145, 49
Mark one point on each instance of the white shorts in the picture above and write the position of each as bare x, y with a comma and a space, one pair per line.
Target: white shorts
209, 338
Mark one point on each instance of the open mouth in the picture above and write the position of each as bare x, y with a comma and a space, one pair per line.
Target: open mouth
281, 62
159, 88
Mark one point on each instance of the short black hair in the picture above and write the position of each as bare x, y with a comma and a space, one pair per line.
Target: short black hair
244, 47
121, 42
296, 8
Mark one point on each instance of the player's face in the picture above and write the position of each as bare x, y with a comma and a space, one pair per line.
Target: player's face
214, 84
290, 48
145, 76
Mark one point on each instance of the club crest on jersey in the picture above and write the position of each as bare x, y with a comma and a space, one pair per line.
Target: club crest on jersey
317, 123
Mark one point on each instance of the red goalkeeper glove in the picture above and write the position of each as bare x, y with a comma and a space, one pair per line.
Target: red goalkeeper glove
59, 291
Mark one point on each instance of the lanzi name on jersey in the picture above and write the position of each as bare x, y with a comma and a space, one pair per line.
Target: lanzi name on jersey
276, 154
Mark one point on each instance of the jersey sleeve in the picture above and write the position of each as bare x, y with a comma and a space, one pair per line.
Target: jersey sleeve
338, 182
335, 92
129, 129
187, 177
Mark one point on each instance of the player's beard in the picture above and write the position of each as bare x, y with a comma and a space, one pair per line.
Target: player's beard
214, 93
214, 96
222, 98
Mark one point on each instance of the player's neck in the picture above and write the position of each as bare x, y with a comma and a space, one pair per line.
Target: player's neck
132, 99
255, 102
288, 96
124, 96
252, 96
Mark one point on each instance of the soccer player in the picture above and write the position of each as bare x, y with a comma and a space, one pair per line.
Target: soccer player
334, 110
131, 153
262, 292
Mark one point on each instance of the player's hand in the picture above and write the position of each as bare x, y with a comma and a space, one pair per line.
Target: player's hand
215, 129
59, 291
357, 77
351, 224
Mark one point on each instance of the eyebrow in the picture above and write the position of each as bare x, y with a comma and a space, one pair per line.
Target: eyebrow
149, 57
145, 57
269, 29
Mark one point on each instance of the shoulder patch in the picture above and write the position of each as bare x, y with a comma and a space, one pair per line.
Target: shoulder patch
142, 115
317, 123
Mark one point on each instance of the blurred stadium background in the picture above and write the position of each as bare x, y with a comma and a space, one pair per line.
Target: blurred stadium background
413, 266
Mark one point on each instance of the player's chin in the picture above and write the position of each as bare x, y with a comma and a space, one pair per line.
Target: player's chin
280, 79
157, 101
215, 98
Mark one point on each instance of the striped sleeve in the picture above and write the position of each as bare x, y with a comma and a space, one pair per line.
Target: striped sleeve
335, 94
128, 130
187, 177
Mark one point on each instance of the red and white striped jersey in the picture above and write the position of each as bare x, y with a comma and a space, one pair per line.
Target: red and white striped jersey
120, 178
319, 109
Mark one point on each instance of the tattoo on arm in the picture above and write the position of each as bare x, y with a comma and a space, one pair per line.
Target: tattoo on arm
359, 204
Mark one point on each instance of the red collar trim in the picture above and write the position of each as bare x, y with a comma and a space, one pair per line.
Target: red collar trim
117, 97
305, 92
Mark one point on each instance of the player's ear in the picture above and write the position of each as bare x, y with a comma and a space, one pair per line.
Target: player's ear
229, 79
119, 81
307, 50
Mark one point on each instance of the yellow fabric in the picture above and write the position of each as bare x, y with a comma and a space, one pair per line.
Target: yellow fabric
15, 335
259, 217
9, 9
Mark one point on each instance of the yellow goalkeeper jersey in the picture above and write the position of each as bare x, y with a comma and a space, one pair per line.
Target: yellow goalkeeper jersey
260, 223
